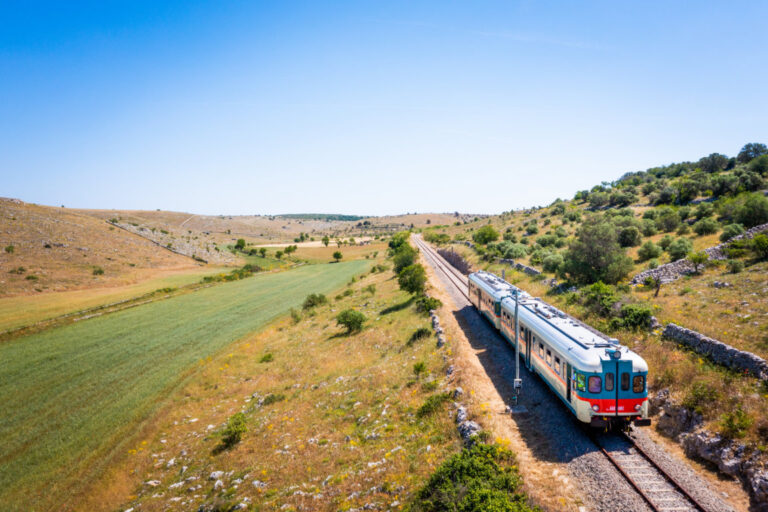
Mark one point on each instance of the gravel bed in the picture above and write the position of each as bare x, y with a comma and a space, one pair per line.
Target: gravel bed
682, 473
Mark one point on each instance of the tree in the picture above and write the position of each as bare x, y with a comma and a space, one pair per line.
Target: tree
405, 256
713, 163
760, 246
412, 279
759, 165
337, 256
240, 245
279, 254
698, 258
598, 199
552, 263
485, 235
263, 251
730, 231
630, 237
648, 251
753, 211
350, 319
595, 254
679, 249
326, 240
667, 219
750, 151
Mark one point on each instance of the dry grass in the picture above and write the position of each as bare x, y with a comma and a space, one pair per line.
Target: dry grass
61, 249
344, 434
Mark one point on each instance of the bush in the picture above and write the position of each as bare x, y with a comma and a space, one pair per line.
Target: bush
412, 279
679, 249
706, 226
419, 334
730, 231
371, 288
240, 244
267, 358
630, 237
552, 263
515, 251
683, 229
352, 320
405, 256
735, 266
648, 226
595, 255
735, 424
337, 255
272, 398
9, 249
648, 251
701, 396
314, 300
698, 258
482, 478
98, 271
753, 211
426, 304
432, 404
233, 432
667, 219
636, 316
666, 241
760, 246
599, 298
419, 368
485, 235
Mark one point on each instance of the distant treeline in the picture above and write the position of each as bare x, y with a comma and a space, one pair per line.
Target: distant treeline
320, 216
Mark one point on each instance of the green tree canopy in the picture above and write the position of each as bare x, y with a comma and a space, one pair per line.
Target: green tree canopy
595, 254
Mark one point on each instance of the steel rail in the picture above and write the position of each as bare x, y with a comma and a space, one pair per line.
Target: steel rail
454, 276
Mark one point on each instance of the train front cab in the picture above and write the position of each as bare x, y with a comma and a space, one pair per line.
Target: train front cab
485, 303
616, 397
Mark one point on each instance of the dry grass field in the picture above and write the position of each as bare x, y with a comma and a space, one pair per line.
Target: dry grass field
57, 249
332, 418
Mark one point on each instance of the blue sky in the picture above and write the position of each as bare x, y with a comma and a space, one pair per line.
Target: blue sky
370, 107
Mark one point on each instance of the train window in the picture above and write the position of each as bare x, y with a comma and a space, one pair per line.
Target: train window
595, 384
549, 358
581, 382
625, 382
557, 365
541, 350
638, 384
609, 382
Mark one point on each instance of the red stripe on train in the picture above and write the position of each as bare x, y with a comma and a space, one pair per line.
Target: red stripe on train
626, 405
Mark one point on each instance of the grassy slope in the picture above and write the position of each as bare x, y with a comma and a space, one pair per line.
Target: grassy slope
361, 386
74, 395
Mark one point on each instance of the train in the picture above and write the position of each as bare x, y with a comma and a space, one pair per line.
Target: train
602, 383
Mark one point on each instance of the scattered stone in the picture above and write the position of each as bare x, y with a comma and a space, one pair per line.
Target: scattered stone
152, 483
457, 393
218, 485
215, 475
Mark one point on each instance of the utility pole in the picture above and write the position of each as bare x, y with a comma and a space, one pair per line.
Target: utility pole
518, 383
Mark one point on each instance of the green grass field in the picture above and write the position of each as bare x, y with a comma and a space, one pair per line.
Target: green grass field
72, 397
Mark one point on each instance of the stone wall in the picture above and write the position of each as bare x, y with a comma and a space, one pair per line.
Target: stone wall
721, 353
671, 271
519, 266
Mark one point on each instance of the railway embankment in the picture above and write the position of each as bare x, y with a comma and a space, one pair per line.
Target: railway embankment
731, 457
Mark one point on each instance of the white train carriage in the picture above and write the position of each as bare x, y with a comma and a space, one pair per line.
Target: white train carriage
601, 382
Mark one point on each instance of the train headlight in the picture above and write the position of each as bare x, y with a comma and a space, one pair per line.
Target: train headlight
637, 407
595, 407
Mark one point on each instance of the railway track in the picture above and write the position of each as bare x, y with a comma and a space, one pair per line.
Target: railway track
657, 488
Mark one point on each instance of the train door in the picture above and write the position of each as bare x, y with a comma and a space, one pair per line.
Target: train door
568, 372
618, 384
527, 338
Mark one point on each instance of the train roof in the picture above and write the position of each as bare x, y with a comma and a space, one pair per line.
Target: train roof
584, 343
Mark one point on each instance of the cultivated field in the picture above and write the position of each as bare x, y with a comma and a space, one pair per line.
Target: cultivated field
76, 396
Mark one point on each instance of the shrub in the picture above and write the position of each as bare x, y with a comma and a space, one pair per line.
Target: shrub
552, 263
683, 229
759, 246
352, 320
405, 256
337, 255
240, 244
706, 226
314, 300
98, 271
701, 396
295, 316
667, 219
412, 279
654, 263
432, 404
730, 231
272, 398
630, 237
419, 334
648, 227
515, 251
233, 432
425, 304
267, 358
481, 478
636, 316
419, 368
679, 248
31, 277
753, 211
666, 241
371, 288
735, 266
599, 298
735, 424
648, 251
485, 235
9, 249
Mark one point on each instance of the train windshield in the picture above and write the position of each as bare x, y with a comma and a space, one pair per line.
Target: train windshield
625, 382
638, 384
609, 382
595, 384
